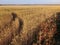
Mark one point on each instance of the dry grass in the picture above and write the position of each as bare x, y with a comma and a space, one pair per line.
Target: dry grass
30, 20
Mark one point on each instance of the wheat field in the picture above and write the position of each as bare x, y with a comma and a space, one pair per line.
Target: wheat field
29, 25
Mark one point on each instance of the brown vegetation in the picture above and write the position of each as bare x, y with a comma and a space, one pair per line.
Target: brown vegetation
28, 25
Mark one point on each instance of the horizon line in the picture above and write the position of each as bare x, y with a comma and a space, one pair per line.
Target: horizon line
29, 4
